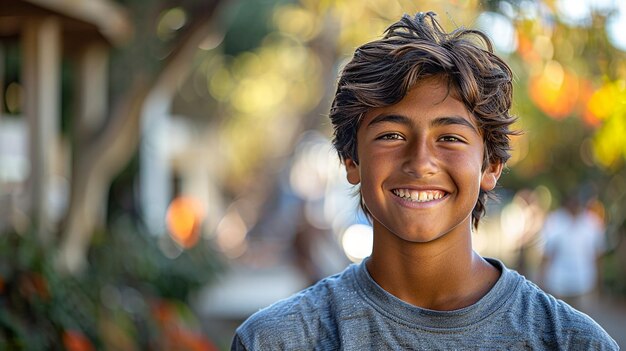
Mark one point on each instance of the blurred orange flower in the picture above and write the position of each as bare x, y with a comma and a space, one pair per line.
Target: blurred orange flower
33, 284
187, 340
176, 335
184, 217
74, 340
555, 91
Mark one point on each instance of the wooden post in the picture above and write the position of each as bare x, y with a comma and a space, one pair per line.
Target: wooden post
41, 80
91, 90
92, 95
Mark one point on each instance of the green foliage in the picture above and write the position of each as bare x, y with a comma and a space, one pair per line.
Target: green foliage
121, 292
25, 297
249, 23
141, 260
613, 274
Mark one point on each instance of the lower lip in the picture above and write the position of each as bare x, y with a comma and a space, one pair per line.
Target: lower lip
411, 204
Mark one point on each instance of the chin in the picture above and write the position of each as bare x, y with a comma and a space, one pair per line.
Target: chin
420, 239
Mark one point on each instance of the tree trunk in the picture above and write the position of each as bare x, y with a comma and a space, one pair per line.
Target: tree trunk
104, 157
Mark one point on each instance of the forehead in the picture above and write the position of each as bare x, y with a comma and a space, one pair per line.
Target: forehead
430, 98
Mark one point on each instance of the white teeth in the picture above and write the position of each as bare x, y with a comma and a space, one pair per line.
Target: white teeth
419, 196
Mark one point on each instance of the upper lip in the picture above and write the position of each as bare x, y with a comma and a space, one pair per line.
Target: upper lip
420, 188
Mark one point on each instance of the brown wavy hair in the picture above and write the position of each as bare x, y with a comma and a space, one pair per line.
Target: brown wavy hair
413, 49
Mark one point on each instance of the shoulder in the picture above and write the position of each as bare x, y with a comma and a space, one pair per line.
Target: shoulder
553, 322
293, 322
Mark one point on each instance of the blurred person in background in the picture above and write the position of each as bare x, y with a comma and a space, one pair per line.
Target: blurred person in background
574, 241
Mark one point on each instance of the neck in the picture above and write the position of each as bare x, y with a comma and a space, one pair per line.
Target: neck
445, 274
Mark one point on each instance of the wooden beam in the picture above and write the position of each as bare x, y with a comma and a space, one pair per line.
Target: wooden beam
110, 19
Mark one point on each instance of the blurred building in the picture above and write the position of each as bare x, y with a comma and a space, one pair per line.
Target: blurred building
37, 37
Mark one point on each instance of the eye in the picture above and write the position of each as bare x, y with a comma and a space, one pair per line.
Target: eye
391, 136
450, 139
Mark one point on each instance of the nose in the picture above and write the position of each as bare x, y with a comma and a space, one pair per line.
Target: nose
419, 160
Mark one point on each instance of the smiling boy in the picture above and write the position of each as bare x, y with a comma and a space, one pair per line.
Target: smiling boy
420, 168
421, 120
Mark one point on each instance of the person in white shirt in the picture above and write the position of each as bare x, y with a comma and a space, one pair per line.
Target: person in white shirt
574, 240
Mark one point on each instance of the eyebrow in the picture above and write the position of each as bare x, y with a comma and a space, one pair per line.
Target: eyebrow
389, 118
437, 122
452, 120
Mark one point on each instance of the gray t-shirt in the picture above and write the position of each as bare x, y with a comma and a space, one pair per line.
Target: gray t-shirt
349, 311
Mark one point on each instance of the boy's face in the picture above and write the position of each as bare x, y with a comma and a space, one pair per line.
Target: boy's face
420, 164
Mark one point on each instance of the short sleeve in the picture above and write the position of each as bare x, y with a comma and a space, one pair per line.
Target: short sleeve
237, 345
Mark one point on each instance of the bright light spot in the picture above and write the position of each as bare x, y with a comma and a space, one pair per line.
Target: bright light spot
608, 143
575, 13
314, 214
58, 197
507, 9
512, 220
13, 97
248, 64
14, 161
607, 100
171, 21
543, 45
221, 84
544, 196
309, 174
529, 9
605, 6
231, 234
297, 21
616, 27
211, 41
554, 73
500, 30
259, 93
579, 12
184, 218
357, 241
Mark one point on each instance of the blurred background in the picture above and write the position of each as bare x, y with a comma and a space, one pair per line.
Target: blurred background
166, 167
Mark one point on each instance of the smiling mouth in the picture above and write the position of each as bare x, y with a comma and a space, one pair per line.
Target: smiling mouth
419, 195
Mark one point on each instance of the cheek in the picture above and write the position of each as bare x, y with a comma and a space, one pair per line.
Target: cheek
467, 169
469, 160
375, 169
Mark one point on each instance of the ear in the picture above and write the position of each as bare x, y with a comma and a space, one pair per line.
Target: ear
353, 171
490, 176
